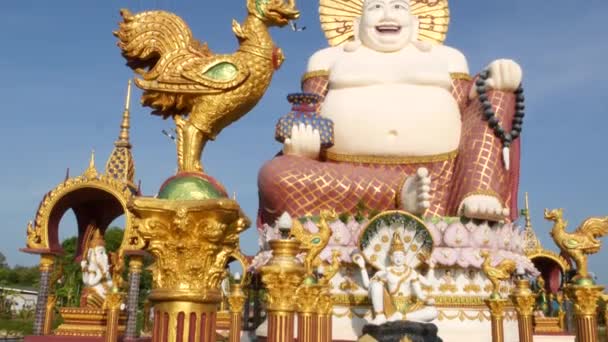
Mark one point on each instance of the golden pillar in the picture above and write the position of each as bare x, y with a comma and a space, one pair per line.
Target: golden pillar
191, 241
281, 277
585, 298
113, 302
524, 300
49, 314
236, 300
324, 316
307, 297
42, 318
497, 311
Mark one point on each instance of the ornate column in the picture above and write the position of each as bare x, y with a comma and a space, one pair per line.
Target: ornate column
236, 300
281, 277
46, 268
191, 240
585, 298
524, 300
497, 308
307, 297
113, 302
324, 316
136, 263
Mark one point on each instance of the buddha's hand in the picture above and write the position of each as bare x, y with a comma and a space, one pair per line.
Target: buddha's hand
505, 75
483, 207
304, 142
416, 192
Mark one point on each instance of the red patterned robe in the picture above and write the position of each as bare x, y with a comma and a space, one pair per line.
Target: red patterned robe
303, 186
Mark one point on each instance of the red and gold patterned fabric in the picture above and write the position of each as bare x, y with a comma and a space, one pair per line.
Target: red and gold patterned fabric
302, 186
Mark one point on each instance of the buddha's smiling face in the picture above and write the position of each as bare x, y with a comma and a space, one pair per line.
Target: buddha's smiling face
386, 25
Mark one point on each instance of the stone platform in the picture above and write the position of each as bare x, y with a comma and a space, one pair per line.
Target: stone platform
396, 331
55, 338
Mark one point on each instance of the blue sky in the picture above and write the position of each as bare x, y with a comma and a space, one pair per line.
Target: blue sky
62, 85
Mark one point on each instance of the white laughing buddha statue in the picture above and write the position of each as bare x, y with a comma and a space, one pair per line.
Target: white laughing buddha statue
409, 131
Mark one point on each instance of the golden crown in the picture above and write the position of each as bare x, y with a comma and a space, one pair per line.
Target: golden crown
396, 244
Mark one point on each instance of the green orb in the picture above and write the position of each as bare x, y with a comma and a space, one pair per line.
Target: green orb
584, 282
309, 281
189, 188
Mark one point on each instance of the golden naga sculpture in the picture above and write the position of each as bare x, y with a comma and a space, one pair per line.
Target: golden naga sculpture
314, 243
580, 243
181, 76
495, 274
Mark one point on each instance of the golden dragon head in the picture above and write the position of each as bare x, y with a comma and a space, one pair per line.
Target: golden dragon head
274, 12
554, 215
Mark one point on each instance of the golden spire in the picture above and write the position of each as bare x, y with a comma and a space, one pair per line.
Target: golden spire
120, 164
91, 171
123, 137
531, 242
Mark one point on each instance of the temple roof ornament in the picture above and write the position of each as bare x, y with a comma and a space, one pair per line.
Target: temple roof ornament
532, 246
120, 164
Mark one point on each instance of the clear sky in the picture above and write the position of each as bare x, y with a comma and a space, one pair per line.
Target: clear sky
62, 87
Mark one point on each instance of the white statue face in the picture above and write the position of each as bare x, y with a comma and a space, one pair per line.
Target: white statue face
398, 258
386, 25
99, 257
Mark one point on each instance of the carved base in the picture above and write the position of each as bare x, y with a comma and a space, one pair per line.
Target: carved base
397, 331
547, 325
86, 322
187, 321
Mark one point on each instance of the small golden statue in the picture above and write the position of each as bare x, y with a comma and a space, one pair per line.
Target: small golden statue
181, 76
582, 242
314, 243
495, 274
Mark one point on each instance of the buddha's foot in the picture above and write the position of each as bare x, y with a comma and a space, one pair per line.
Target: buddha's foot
378, 320
416, 192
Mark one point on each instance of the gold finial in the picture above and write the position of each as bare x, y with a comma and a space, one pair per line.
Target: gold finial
396, 244
531, 242
91, 171
527, 212
123, 137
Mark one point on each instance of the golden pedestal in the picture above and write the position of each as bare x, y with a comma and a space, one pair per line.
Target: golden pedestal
497, 309
281, 277
585, 298
236, 299
87, 322
524, 300
192, 241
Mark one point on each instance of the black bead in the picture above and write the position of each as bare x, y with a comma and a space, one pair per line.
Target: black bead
507, 138
486, 104
484, 74
481, 90
483, 97
493, 122
519, 90
517, 126
498, 130
480, 82
517, 120
515, 134
488, 113
520, 97
520, 114
520, 106
506, 144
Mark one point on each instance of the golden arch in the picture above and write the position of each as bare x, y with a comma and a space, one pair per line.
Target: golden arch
543, 253
111, 194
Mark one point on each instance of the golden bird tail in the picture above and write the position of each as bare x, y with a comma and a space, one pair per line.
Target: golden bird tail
594, 226
146, 36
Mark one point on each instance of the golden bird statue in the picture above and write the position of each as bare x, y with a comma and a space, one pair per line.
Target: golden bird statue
580, 243
202, 91
495, 274
314, 243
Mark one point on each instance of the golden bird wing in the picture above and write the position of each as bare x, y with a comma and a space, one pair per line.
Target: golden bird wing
572, 242
594, 226
191, 72
299, 232
337, 17
505, 269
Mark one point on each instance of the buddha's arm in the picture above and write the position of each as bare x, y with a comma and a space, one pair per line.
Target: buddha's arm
480, 169
461, 87
316, 82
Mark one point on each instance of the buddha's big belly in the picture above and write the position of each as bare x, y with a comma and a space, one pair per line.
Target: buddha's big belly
393, 120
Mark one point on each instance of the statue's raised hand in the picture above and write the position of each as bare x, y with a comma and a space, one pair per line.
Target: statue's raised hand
505, 75
304, 142
483, 207
358, 259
